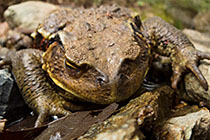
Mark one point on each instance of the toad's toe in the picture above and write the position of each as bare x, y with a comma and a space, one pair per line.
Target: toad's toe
198, 75
188, 58
45, 114
176, 77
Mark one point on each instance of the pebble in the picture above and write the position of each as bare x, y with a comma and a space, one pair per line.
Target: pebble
27, 15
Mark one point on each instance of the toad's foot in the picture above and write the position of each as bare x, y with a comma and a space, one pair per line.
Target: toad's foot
167, 40
188, 58
53, 104
48, 108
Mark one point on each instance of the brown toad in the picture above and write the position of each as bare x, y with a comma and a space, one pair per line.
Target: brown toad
96, 55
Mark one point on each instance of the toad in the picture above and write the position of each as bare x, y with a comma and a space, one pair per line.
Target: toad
96, 55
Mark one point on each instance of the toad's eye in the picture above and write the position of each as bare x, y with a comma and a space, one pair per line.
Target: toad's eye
73, 69
71, 65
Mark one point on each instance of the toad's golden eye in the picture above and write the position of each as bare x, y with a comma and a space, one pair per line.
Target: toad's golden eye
73, 69
71, 65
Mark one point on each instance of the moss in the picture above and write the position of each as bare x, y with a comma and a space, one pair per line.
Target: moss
195, 5
159, 8
155, 8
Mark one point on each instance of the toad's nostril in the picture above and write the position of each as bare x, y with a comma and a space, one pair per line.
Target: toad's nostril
123, 76
102, 79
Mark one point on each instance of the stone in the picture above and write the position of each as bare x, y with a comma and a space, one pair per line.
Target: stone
17, 40
4, 28
128, 131
185, 124
11, 101
6, 84
200, 40
27, 15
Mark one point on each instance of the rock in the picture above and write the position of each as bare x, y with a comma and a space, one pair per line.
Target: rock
27, 15
202, 21
200, 40
3, 53
4, 28
6, 83
17, 40
194, 91
128, 131
11, 102
201, 130
141, 112
185, 126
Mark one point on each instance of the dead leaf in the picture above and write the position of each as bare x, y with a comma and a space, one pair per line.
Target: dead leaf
27, 134
76, 124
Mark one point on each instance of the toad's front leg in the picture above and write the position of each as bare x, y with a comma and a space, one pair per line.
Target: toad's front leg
167, 40
37, 90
